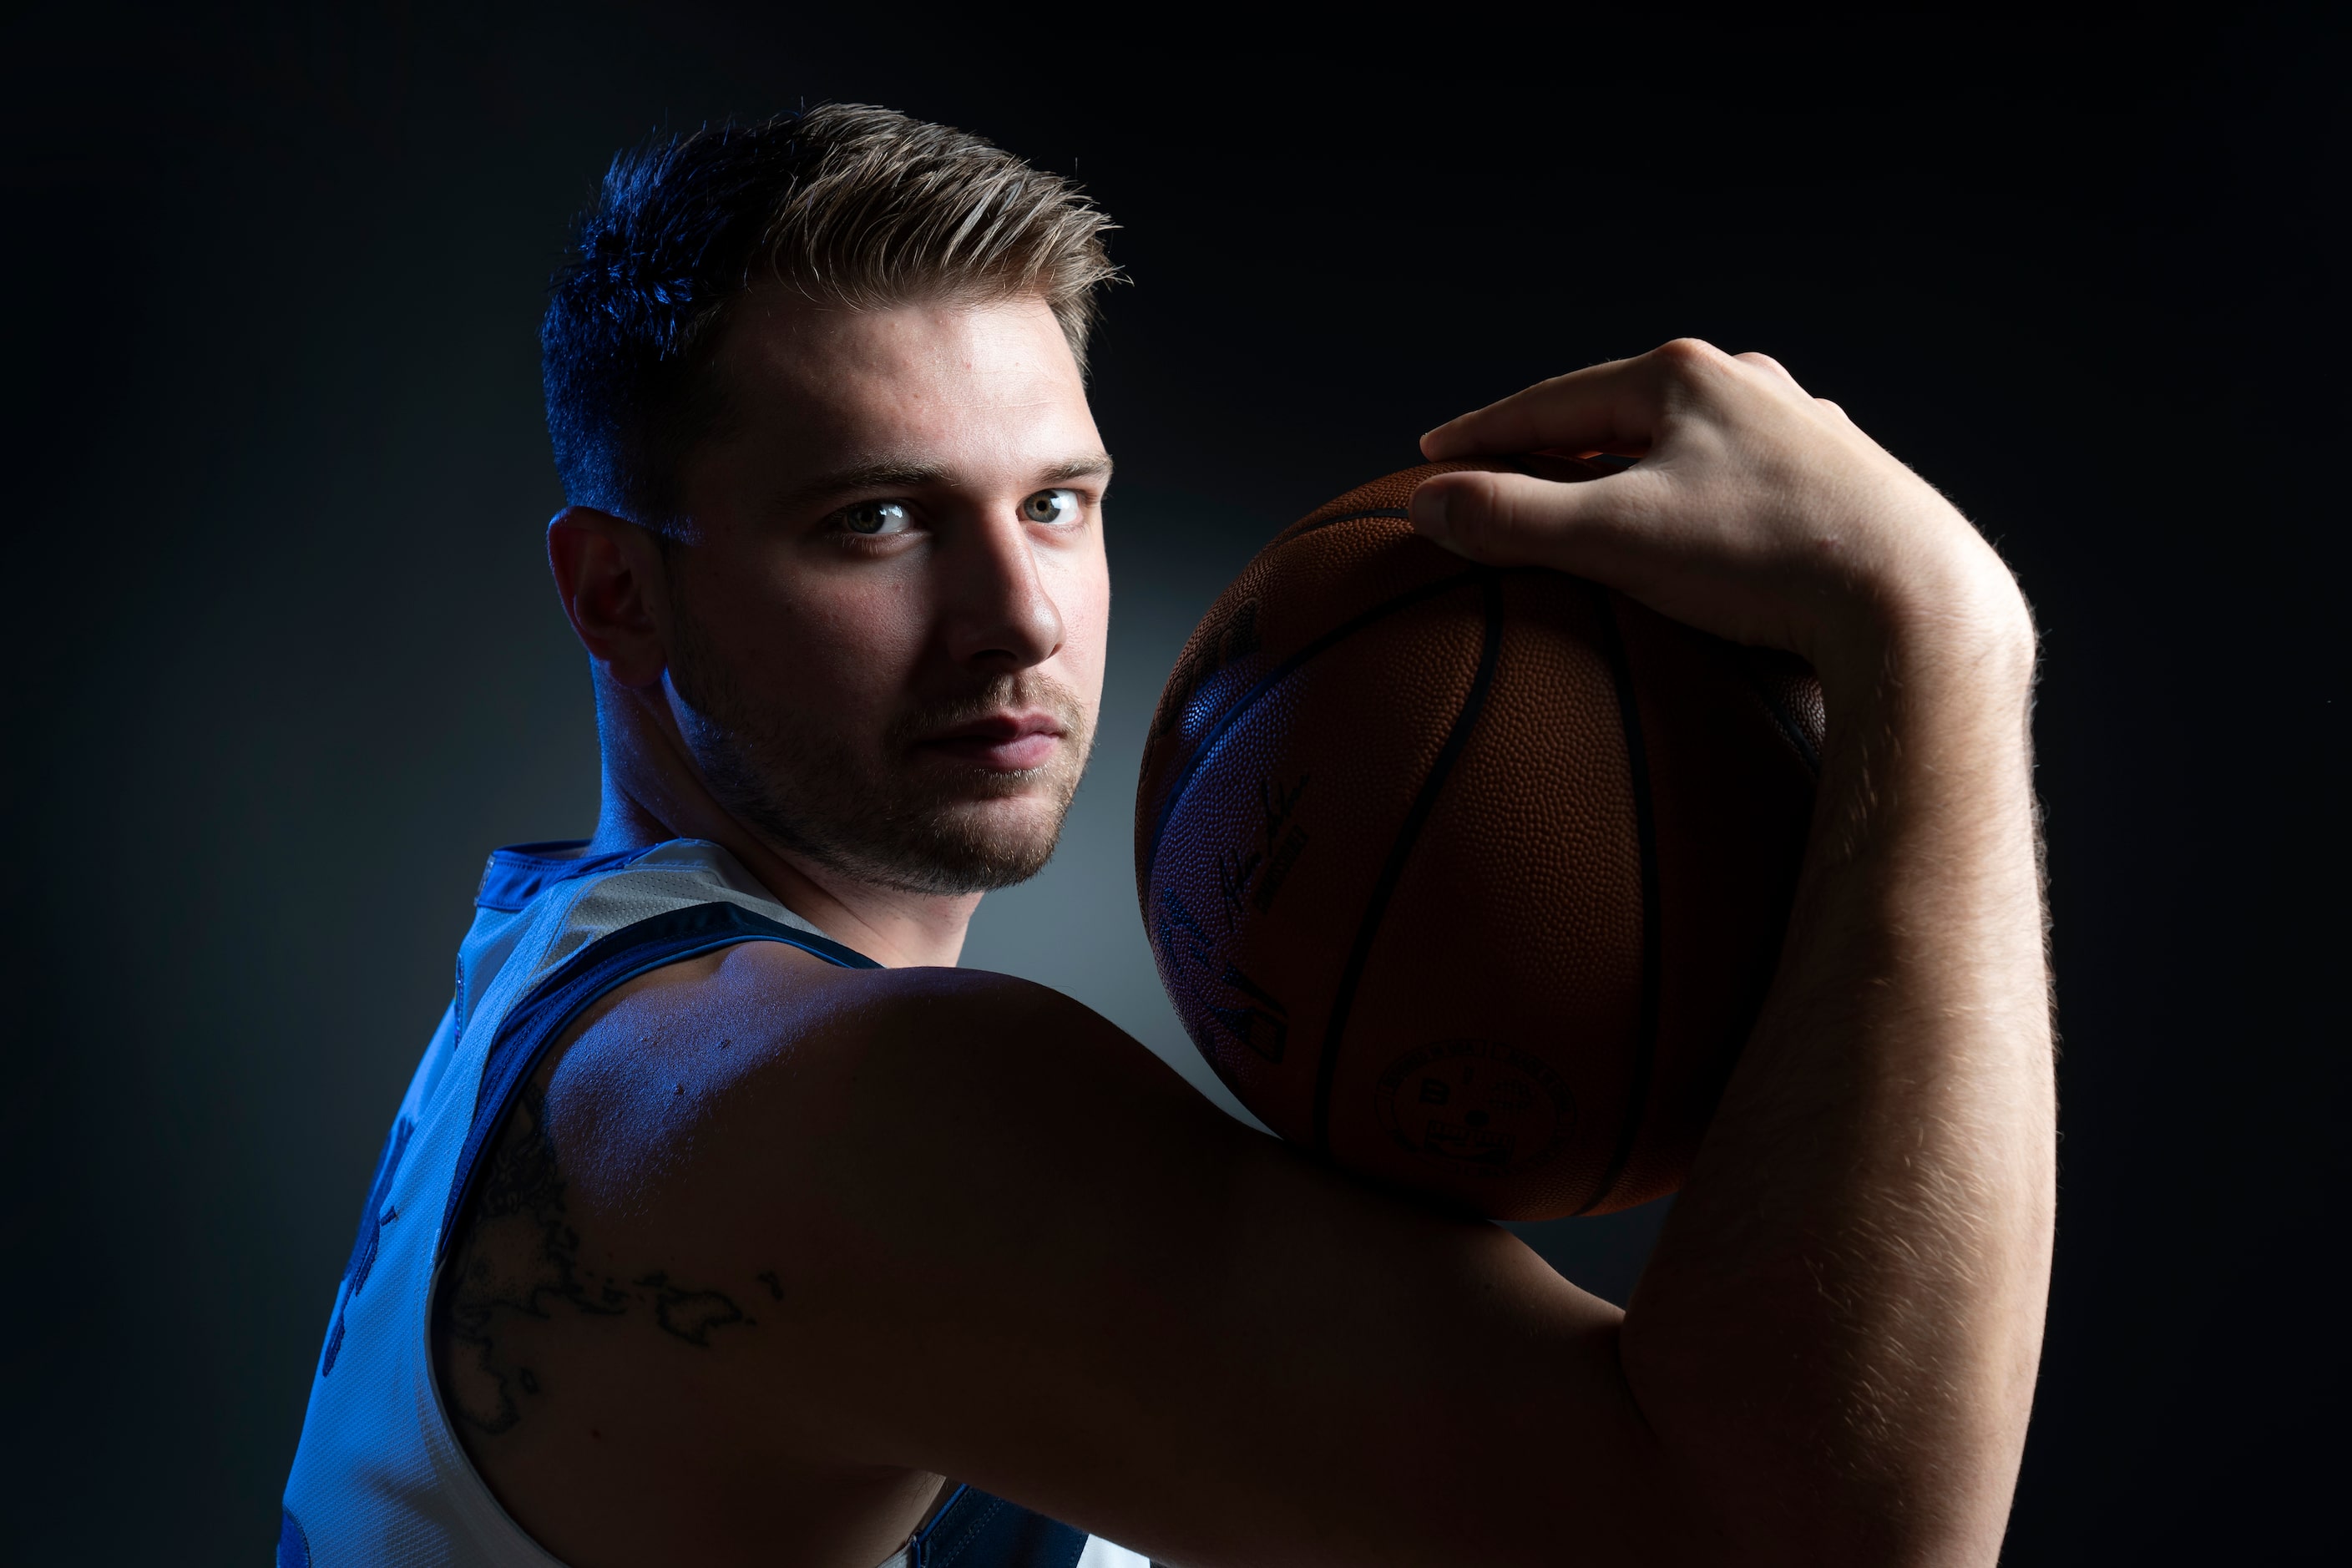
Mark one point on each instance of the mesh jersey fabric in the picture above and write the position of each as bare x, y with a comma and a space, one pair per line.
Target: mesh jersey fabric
380, 1478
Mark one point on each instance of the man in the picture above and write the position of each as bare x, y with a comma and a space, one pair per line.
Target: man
727, 1222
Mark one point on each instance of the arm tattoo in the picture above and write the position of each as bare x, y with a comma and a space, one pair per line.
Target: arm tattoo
518, 1263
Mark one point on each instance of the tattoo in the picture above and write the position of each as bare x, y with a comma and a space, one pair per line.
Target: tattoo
690, 1314
518, 1263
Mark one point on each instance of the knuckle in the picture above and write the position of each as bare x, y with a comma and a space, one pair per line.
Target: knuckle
1690, 355
1524, 518
1476, 509
1768, 365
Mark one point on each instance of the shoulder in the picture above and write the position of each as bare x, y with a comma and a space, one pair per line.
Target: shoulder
759, 1075
800, 1141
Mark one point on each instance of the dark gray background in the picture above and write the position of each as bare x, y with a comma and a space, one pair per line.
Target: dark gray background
285, 665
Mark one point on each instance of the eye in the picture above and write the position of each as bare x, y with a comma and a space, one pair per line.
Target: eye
1052, 506
872, 518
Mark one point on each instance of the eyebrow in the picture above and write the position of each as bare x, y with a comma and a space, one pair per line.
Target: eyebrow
1092, 466
888, 474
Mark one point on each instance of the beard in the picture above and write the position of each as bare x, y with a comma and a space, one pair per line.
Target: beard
888, 817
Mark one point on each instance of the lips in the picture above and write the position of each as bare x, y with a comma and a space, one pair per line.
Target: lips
1008, 742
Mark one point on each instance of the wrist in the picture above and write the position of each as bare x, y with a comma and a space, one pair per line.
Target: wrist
1962, 633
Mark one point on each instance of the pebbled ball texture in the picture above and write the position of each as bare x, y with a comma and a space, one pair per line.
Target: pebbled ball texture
1470, 879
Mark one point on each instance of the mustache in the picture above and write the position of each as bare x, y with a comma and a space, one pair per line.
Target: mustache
1021, 693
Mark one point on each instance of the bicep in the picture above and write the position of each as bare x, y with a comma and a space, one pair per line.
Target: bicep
1015, 1248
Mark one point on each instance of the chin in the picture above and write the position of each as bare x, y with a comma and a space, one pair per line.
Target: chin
949, 848
1012, 830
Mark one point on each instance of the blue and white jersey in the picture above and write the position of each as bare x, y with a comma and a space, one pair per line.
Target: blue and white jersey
381, 1479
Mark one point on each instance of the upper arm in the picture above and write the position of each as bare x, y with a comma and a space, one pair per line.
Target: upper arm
997, 1239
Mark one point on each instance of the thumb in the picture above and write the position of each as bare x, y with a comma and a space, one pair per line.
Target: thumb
1511, 519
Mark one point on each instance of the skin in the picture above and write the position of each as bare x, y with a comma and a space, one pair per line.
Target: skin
773, 1247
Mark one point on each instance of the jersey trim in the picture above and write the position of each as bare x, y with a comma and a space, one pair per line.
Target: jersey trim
533, 1023
977, 1529
520, 872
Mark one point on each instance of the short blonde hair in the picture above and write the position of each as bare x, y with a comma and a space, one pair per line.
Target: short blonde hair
849, 204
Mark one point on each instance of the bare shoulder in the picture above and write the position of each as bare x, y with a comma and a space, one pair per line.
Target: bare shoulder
753, 1091
870, 1129
763, 1053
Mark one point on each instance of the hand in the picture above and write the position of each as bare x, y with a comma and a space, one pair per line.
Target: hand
1758, 512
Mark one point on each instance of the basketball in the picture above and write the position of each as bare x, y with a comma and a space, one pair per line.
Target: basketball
1470, 879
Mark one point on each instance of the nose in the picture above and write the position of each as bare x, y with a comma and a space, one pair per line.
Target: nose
997, 614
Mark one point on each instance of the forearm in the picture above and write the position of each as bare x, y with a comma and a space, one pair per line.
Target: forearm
1836, 1340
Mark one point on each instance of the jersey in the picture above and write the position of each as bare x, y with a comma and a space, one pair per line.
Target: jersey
380, 1479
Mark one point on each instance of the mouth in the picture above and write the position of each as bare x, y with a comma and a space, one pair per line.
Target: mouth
1005, 743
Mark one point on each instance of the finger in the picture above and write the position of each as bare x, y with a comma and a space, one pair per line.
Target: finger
1512, 520
1603, 407
1835, 407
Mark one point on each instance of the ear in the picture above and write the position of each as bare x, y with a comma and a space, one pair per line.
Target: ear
608, 572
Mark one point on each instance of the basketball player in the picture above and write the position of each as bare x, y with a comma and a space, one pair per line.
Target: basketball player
728, 1222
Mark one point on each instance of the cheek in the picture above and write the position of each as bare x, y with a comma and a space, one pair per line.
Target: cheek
1082, 598
826, 645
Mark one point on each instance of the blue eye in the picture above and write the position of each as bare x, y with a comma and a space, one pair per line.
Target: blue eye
1052, 505
877, 516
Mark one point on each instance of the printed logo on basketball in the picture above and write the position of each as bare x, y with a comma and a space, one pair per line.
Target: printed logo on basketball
1480, 1105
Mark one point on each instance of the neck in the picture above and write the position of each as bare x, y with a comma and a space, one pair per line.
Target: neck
653, 791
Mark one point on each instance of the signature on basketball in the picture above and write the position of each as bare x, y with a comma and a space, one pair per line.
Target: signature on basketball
1249, 1012
1257, 873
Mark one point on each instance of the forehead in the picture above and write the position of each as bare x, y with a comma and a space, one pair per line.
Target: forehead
816, 383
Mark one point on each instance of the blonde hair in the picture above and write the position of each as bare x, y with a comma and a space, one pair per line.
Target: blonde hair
894, 210
848, 204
